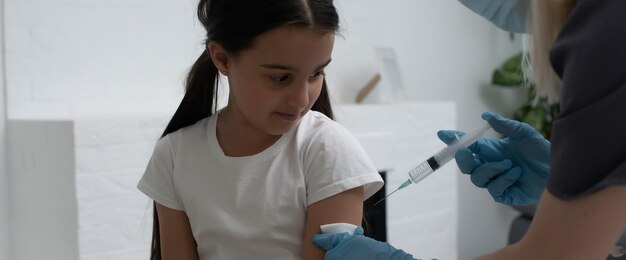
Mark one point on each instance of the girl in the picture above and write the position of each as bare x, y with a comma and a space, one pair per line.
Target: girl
256, 179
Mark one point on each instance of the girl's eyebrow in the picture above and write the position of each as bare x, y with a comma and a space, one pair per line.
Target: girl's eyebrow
283, 67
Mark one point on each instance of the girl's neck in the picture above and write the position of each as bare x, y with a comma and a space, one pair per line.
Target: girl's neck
239, 138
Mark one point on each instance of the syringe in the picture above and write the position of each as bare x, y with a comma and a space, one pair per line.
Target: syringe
441, 158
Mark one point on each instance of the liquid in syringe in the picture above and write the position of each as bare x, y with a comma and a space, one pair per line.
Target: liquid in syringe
441, 158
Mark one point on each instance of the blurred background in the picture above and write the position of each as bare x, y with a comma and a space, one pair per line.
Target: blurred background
88, 85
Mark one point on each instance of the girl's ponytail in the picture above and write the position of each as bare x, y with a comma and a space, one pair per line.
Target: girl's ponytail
199, 102
200, 95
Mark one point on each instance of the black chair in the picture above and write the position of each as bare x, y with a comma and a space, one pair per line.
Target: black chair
375, 218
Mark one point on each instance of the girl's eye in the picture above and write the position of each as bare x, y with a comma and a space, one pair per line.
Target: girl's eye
280, 79
317, 74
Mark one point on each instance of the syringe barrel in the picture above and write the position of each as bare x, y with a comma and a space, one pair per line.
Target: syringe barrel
421, 171
447, 154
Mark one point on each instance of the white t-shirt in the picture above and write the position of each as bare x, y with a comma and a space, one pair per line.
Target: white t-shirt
254, 207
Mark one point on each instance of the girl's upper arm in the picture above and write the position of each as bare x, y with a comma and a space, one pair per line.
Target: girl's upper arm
345, 207
177, 241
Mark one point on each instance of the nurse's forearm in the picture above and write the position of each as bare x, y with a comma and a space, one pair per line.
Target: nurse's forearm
584, 228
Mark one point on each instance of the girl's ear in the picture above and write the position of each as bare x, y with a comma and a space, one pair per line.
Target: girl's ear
219, 56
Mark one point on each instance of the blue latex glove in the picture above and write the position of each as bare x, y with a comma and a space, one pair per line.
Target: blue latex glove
513, 169
357, 246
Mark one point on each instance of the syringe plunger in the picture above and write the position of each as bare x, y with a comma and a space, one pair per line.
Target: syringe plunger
446, 154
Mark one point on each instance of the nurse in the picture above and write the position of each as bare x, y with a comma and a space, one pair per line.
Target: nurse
582, 210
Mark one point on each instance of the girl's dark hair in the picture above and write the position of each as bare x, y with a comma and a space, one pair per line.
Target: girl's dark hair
235, 24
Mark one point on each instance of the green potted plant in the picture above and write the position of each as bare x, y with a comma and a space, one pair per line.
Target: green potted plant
539, 114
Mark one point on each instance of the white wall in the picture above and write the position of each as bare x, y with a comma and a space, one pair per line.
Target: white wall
4, 175
76, 58
73, 57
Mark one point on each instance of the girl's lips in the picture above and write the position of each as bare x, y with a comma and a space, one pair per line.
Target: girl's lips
288, 117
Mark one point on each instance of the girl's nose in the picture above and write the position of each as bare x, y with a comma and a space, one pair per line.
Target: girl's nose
299, 95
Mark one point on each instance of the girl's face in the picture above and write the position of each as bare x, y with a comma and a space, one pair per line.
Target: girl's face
276, 81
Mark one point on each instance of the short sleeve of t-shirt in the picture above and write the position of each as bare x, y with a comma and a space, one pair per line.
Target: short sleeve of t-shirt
336, 162
157, 182
589, 136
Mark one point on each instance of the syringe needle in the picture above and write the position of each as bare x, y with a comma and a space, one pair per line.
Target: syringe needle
402, 186
385, 197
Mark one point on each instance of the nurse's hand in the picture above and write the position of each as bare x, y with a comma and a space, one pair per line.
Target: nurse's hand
357, 246
513, 169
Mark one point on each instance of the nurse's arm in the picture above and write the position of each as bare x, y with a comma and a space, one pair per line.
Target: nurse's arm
583, 228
